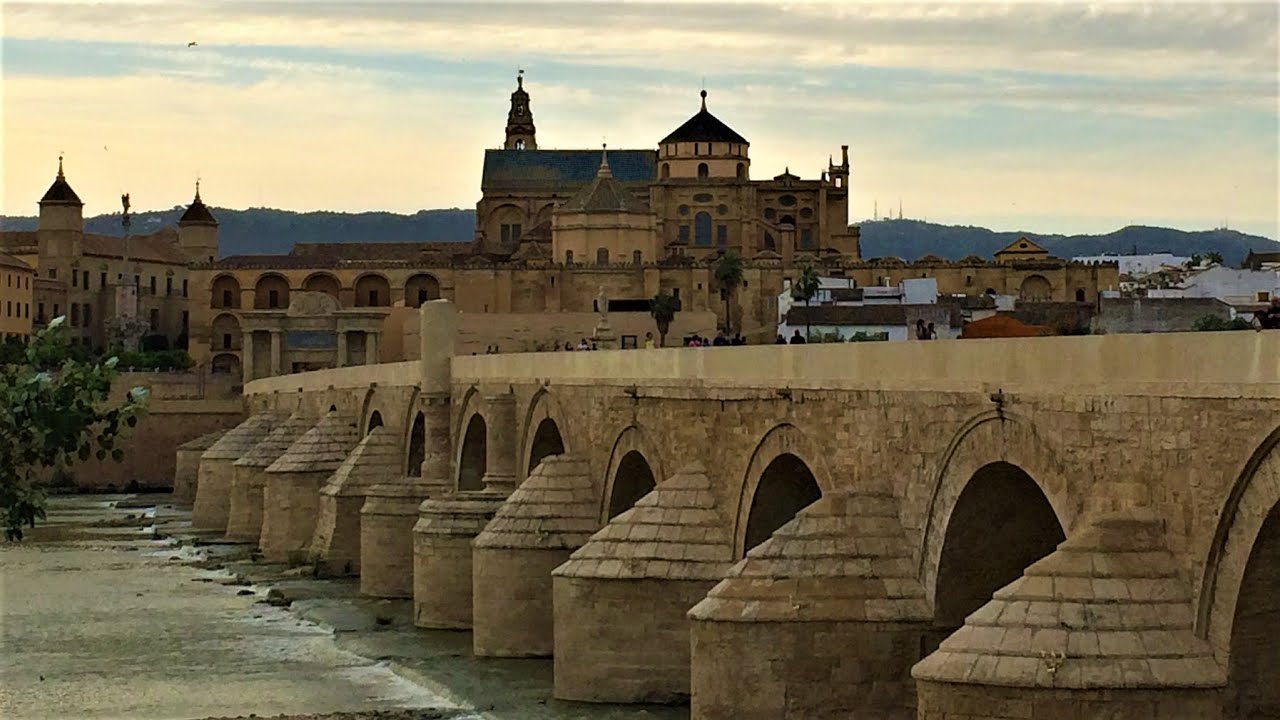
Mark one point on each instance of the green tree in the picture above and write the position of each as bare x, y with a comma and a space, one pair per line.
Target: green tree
804, 288
1214, 258
729, 276
1213, 323
663, 308
55, 409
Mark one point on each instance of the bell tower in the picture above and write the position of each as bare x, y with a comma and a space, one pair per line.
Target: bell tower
521, 134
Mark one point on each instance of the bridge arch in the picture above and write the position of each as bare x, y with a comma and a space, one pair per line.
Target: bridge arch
415, 439
994, 452
634, 469
544, 430
784, 475
471, 443
1242, 571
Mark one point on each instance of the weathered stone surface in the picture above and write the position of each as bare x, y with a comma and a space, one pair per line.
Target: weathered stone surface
187, 469
442, 567
291, 495
335, 548
212, 506
387, 520
551, 514
249, 476
1107, 610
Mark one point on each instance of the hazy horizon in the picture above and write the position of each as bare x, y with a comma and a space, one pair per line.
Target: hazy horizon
1067, 119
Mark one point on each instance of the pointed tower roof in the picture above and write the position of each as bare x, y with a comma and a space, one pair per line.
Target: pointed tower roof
604, 194
197, 213
60, 192
704, 127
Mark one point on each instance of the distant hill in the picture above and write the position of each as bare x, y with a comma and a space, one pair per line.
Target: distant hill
259, 231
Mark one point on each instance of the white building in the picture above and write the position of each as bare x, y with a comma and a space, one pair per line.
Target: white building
885, 312
1135, 265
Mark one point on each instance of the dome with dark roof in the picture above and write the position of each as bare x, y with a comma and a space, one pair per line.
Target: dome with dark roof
704, 127
197, 212
60, 192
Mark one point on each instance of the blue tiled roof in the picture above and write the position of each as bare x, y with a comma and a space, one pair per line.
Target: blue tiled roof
562, 170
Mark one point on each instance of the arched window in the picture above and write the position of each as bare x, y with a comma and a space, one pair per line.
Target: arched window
742, 171
666, 170
702, 228
568, 257
637, 257
1079, 294
703, 171
602, 256
520, 144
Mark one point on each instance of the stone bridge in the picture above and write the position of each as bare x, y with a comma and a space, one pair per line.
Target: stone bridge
1039, 527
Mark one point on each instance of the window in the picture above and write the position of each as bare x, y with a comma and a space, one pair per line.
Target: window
568, 257
226, 341
519, 141
8, 308
806, 237
53, 273
26, 310
702, 228
839, 181
102, 281
168, 286
722, 235
510, 232
422, 295
153, 284
666, 170
88, 314
40, 312
602, 256
137, 281
1080, 294
273, 298
186, 321
75, 278
703, 172
155, 320
742, 171
675, 293
75, 315
637, 257
373, 298
226, 298
684, 234
84, 280
697, 149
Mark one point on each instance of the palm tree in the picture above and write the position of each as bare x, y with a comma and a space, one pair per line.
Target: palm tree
804, 288
1214, 258
663, 308
728, 272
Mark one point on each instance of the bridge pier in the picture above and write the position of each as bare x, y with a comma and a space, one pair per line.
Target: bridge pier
212, 505
1101, 627
187, 469
620, 602
244, 521
335, 547
291, 494
554, 512
822, 620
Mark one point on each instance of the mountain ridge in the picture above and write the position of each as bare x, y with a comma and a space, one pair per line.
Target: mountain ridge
259, 231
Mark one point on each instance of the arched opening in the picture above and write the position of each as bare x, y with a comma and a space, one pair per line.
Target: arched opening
568, 257
271, 293
1079, 294
375, 421
1035, 288
786, 487
417, 446
787, 220
546, 442
225, 364
225, 292
420, 289
703, 171
471, 465
333, 408
742, 171
1002, 522
226, 333
632, 481
322, 283
666, 171
1252, 691
373, 291
602, 256
519, 143
702, 228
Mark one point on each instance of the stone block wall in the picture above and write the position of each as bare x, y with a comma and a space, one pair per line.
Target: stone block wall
946, 701
512, 601
151, 450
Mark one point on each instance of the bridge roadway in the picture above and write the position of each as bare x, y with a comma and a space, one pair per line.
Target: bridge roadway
1046, 527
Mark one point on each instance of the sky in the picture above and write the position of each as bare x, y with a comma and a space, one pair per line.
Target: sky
1071, 117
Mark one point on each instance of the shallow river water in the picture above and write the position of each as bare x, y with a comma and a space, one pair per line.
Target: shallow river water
99, 618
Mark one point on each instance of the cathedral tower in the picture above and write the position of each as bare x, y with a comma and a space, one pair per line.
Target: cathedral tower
520, 130
198, 232
61, 226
